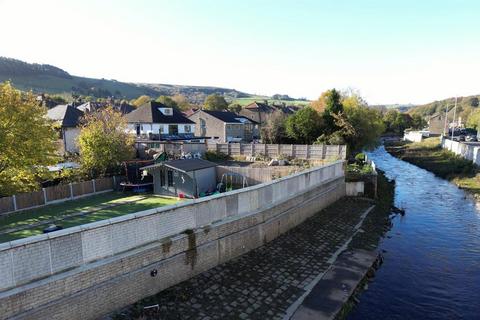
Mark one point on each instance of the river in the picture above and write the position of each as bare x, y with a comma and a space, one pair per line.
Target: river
431, 268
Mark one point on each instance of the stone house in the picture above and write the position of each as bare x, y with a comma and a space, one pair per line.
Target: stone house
67, 118
225, 126
156, 121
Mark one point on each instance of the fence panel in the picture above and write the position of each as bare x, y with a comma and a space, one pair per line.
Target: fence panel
103, 184
31, 199
6, 204
82, 188
58, 192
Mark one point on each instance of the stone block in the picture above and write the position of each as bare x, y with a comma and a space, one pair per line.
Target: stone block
232, 205
97, 243
124, 235
6, 270
66, 252
31, 261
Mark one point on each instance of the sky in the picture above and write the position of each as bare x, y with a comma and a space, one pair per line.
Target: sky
391, 51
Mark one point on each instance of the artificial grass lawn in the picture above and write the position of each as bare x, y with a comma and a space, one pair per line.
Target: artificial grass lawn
430, 156
69, 207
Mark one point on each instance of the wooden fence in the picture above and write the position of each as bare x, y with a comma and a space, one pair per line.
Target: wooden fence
58, 193
299, 151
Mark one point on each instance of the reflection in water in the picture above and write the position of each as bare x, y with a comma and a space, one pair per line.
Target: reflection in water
432, 255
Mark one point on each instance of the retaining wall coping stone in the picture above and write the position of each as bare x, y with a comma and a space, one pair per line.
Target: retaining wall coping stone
29, 240
95, 225
64, 232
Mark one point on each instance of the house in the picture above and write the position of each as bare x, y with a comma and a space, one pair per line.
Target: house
260, 111
438, 125
225, 125
257, 111
184, 178
156, 121
67, 118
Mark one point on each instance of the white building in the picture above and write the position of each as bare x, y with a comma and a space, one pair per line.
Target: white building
68, 119
154, 120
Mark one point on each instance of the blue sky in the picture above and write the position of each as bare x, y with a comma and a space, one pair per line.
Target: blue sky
391, 51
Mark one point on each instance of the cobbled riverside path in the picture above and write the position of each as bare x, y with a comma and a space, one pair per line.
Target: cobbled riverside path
263, 283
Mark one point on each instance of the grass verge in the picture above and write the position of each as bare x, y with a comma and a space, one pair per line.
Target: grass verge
430, 156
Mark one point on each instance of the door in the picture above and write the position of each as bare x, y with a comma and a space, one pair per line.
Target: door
138, 128
173, 130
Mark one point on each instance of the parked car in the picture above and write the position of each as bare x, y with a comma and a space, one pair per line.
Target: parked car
471, 138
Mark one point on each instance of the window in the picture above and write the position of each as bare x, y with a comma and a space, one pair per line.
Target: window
161, 130
170, 178
188, 129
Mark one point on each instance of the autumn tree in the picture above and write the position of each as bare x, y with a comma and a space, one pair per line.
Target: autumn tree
234, 107
304, 126
215, 102
27, 141
140, 101
182, 102
273, 131
104, 142
168, 101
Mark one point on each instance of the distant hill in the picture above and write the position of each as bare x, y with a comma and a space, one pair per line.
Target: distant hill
44, 78
465, 105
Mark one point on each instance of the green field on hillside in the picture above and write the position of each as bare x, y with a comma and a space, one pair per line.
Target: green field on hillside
246, 101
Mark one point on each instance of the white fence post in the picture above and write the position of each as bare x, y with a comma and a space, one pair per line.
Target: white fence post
44, 196
94, 186
71, 190
14, 198
114, 183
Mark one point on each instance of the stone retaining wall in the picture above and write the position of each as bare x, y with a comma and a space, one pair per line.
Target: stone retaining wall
86, 271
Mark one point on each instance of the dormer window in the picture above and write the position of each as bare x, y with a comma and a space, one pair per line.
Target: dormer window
166, 111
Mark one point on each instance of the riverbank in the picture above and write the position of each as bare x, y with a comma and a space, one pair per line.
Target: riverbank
429, 155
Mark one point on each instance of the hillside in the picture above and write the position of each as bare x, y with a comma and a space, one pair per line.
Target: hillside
465, 105
44, 78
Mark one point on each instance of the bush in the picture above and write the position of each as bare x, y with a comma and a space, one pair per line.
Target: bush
215, 156
360, 158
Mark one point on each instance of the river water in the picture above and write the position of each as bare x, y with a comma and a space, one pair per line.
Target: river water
431, 268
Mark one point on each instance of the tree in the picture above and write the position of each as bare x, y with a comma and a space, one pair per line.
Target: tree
235, 107
273, 131
474, 120
182, 102
140, 101
215, 102
27, 141
333, 106
418, 122
104, 142
304, 126
169, 102
474, 102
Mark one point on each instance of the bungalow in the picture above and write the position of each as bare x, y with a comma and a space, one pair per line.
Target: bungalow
67, 117
185, 178
225, 125
156, 121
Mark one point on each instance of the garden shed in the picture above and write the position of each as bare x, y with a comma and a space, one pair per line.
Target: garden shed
183, 178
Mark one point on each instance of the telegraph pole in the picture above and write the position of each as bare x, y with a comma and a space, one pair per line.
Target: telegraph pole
454, 114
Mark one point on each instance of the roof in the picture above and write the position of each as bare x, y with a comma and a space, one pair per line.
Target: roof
185, 165
262, 107
149, 113
67, 115
228, 116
